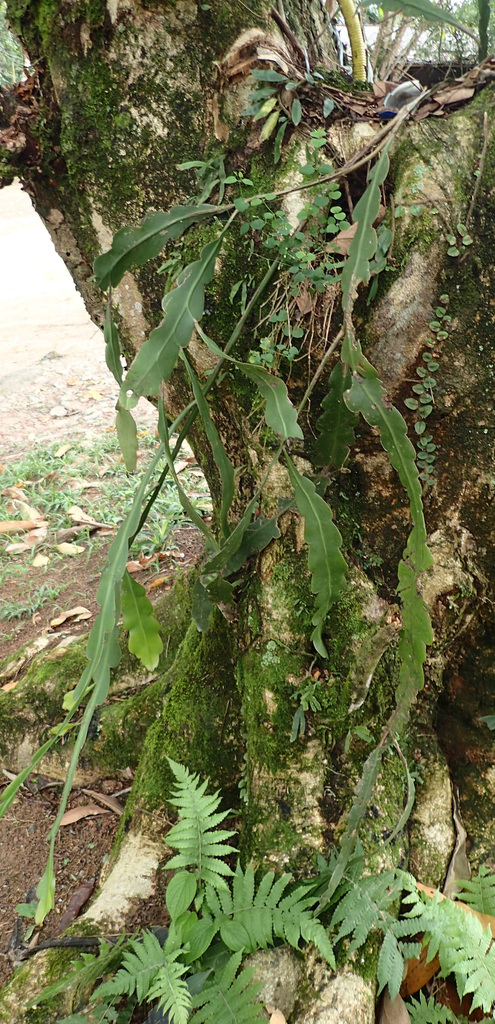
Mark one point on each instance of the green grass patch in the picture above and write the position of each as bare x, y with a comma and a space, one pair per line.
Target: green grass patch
50, 480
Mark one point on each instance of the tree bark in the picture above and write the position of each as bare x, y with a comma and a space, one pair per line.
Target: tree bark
120, 95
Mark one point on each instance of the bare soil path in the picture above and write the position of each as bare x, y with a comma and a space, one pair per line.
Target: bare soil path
54, 383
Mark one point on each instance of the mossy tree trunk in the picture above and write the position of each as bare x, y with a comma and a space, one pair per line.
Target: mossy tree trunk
121, 94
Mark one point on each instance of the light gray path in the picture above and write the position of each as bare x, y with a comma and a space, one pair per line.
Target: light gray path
54, 382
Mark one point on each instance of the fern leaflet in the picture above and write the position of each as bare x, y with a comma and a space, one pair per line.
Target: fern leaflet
171, 990
463, 947
250, 919
427, 1011
196, 836
479, 892
140, 964
365, 905
390, 965
229, 1000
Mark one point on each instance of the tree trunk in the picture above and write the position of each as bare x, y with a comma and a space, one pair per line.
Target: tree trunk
118, 98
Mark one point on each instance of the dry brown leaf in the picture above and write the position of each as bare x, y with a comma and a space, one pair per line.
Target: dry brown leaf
74, 906
381, 89
459, 869
80, 483
78, 516
28, 511
277, 1017
78, 614
457, 94
83, 811
93, 393
304, 301
159, 582
13, 492
16, 549
70, 533
10, 686
133, 567
181, 464
40, 560
419, 973
37, 535
64, 448
425, 110
18, 525
70, 549
107, 801
341, 243
393, 1012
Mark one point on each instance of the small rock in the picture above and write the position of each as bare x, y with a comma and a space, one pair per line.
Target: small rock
58, 411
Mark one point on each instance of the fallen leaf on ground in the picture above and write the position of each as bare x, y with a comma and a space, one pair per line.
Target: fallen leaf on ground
92, 393
83, 811
13, 492
78, 516
10, 686
78, 614
15, 549
455, 95
159, 582
305, 302
70, 549
393, 1012
419, 973
64, 448
80, 483
40, 560
181, 464
28, 511
107, 801
133, 567
74, 906
19, 525
277, 1017
70, 533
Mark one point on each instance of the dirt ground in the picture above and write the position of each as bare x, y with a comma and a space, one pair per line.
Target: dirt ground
54, 382
54, 385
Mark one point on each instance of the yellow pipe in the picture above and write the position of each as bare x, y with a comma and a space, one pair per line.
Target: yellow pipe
356, 38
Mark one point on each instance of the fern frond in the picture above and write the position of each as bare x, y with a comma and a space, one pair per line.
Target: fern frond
390, 965
251, 918
479, 892
171, 990
140, 965
365, 906
427, 1011
196, 836
463, 947
471, 958
229, 1000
